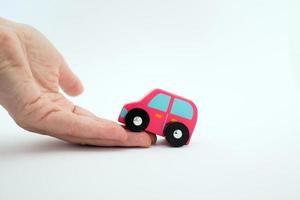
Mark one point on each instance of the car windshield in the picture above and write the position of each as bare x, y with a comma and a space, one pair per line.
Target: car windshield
160, 102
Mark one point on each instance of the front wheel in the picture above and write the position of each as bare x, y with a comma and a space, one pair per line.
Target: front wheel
177, 134
137, 120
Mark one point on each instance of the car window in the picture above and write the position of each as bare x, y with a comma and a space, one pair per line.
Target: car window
182, 108
160, 102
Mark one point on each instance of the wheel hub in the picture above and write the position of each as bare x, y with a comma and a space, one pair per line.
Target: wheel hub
177, 134
137, 121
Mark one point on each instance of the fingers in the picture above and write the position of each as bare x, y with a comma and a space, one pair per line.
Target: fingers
139, 140
69, 82
134, 140
62, 123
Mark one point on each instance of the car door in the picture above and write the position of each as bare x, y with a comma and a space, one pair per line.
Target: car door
181, 111
157, 110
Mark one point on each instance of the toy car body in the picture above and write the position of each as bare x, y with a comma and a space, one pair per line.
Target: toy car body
164, 114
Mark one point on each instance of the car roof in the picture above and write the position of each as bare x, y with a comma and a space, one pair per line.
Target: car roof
157, 90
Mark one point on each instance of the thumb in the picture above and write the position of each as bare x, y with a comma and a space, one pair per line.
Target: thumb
69, 82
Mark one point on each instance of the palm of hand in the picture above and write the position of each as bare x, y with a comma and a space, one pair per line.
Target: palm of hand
31, 73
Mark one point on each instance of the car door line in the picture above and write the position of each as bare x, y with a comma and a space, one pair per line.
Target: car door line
167, 116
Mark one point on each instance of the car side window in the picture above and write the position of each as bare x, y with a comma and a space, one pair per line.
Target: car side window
182, 108
160, 102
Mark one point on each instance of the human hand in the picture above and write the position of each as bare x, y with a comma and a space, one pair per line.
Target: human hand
31, 73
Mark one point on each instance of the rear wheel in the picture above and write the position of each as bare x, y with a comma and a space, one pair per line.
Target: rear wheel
177, 134
137, 120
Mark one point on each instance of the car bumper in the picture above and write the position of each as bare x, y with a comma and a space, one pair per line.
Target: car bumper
122, 115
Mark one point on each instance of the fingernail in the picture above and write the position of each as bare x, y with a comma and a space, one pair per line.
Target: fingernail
153, 138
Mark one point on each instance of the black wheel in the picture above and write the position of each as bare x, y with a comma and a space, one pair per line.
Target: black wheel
177, 134
137, 120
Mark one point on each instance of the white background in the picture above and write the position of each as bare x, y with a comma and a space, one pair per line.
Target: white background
236, 59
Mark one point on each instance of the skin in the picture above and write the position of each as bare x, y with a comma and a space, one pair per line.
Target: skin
32, 72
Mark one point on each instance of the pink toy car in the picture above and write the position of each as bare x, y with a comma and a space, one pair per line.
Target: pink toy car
164, 114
